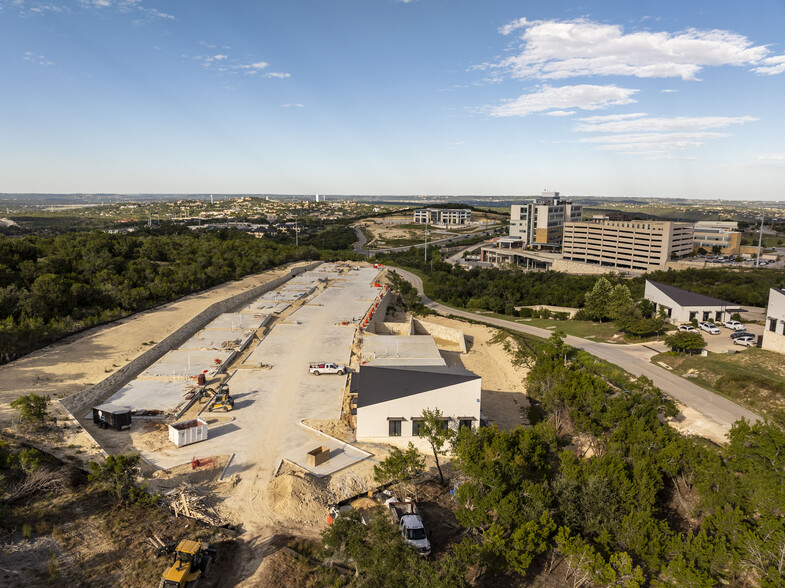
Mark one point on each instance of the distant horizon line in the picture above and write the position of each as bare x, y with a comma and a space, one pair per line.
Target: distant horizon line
207, 195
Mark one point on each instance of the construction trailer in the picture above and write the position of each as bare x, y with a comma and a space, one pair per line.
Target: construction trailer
107, 416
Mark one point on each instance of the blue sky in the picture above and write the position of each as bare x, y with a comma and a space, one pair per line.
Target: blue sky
616, 98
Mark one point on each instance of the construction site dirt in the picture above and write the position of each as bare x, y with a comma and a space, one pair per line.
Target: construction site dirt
252, 472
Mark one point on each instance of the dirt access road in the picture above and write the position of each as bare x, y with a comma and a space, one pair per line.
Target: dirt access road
710, 406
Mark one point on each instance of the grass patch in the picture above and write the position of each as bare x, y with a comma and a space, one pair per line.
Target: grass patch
753, 378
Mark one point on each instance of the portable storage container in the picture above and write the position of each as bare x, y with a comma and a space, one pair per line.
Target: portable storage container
187, 432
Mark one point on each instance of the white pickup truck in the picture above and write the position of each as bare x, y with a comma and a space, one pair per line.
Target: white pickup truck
407, 517
326, 367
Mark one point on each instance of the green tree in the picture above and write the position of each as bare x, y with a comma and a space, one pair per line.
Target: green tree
685, 341
596, 301
118, 473
620, 302
435, 428
400, 467
32, 408
716, 249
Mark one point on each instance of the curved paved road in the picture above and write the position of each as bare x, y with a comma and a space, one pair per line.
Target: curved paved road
720, 410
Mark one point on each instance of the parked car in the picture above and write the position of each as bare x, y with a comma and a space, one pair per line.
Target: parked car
738, 334
749, 341
734, 325
710, 328
688, 329
407, 517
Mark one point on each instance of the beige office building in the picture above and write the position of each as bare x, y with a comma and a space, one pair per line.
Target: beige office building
708, 236
540, 223
631, 245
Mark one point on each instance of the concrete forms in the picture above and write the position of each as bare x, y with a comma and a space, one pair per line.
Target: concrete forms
168, 383
271, 403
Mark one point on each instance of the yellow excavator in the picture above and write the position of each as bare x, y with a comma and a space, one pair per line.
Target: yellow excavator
192, 560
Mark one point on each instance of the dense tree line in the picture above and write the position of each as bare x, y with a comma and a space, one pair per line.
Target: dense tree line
53, 286
748, 286
620, 516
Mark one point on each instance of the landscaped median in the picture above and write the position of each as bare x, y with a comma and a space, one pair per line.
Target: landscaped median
753, 378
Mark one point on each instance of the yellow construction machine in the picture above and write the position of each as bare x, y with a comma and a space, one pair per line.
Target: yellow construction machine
192, 560
221, 400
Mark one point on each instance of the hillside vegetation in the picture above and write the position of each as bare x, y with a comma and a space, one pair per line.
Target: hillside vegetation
600, 491
51, 287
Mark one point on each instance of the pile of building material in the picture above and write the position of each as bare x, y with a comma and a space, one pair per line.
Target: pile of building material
186, 501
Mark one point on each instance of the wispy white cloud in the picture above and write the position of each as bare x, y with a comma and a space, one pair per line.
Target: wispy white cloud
668, 91
129, 7
560, 112
294, 105
224, 63
771, 159
552, 49
771, 66
37, 59
637, 133
643, 123
456, 144
33, 8
584, 97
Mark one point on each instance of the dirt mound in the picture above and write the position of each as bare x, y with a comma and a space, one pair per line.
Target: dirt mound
333, 427
298, 498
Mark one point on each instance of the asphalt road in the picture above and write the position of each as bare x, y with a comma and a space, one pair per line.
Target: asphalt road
712, 406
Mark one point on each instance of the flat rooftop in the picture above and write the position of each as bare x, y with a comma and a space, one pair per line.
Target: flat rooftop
400, 350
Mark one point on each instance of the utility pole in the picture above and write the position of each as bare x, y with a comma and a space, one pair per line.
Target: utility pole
426, 240
760, 240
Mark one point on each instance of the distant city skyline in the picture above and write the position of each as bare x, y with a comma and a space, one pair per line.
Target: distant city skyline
388, 97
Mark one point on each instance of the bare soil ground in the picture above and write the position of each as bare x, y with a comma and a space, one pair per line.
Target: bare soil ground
504, 400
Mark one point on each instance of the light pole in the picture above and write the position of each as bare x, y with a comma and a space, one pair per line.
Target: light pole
426, 241
760, 240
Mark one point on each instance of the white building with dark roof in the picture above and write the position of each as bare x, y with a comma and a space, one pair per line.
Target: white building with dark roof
681, 306
774, 332
391, 399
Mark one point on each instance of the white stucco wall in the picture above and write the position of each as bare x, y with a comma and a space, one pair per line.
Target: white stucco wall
459, 400
681, 314
775, 340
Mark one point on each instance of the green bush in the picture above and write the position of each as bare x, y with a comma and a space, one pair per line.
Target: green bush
32, 408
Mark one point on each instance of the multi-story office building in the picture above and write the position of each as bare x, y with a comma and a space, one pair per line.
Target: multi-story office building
636, 245
443, 216
724, 235
540, 223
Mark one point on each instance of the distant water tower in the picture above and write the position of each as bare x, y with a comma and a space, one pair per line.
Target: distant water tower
317, 198
211, 199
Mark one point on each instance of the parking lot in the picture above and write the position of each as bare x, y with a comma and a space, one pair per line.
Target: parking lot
723, 343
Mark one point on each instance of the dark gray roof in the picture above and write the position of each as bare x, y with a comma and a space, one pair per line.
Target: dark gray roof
687, 298
375, 384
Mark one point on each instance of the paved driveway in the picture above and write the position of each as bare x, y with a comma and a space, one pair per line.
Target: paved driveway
712, 406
